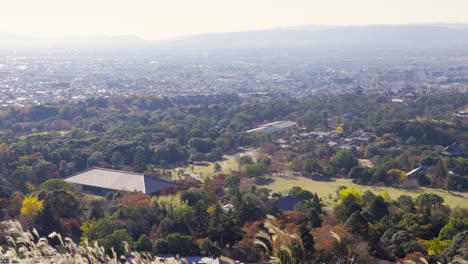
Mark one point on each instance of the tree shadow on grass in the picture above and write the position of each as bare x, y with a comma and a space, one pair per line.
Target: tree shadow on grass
263, 180
201, 164
323, 179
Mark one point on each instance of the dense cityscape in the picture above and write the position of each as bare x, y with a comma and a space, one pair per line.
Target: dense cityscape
35, 79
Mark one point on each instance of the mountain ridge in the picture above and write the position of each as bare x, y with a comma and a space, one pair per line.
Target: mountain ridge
426, 35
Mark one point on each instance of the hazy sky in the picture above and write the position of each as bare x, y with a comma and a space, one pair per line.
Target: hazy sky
162, 19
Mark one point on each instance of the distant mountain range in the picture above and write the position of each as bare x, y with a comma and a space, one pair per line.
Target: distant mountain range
8, 41
432, 36
411, 36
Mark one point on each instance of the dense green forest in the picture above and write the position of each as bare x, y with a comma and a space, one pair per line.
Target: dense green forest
42, 144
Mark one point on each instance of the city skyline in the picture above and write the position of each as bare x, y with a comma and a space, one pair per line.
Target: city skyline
158, 20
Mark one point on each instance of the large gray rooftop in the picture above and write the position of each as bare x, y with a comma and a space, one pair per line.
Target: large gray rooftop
119, 180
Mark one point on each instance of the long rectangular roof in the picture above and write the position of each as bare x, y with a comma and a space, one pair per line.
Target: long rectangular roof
119, 180
278, 125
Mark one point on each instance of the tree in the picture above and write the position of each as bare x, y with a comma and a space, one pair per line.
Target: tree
440, 171
343, 193
117, 160
215, 226
46, 223
367, 198
96, 126
139, 160
232, 182
95, 158
395, 176
357, 224
254, 169
144, 244
307, 241
428, 200
344, 159
116, 241
311, 167
180, 244
346, 208
243, 160
249, 207
399, 243
4, 157
208, 248
217, 168
58, 184
193, 195
45, 170
339, 130
417, 224
22, 176
300, 193
378, 208
224, 228
458, 247
62, 204
200, 221
406, 203
41, 112
360, 175
436, 246
32, 206
160, 247
458, 222
201, 145
101, 229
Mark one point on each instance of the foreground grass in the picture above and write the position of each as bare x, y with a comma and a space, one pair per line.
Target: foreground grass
325, 189
26, 246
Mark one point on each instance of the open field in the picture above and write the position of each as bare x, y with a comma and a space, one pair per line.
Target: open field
61, 133
323, 189
204, 169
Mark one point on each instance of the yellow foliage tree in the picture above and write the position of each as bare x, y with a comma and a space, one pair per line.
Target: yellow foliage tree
339, 130
403, 177
86, 228
386, 196
395, 176
343, 193
32, 206
436, 246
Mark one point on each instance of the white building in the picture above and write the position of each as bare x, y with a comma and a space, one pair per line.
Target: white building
278, 126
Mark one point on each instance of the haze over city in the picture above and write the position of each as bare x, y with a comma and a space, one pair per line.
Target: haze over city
159, 20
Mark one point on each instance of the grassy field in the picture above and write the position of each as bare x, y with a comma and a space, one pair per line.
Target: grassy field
324, 189
61, 133
204, 169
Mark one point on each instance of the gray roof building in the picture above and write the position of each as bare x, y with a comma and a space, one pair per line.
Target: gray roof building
454, 150
278, 126
101, 180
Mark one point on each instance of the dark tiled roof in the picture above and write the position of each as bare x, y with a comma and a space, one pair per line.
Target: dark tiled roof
153, 185
288, 203
453, 150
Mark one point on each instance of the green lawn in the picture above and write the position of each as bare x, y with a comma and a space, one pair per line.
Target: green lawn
323, 189
207, 168
61, 133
